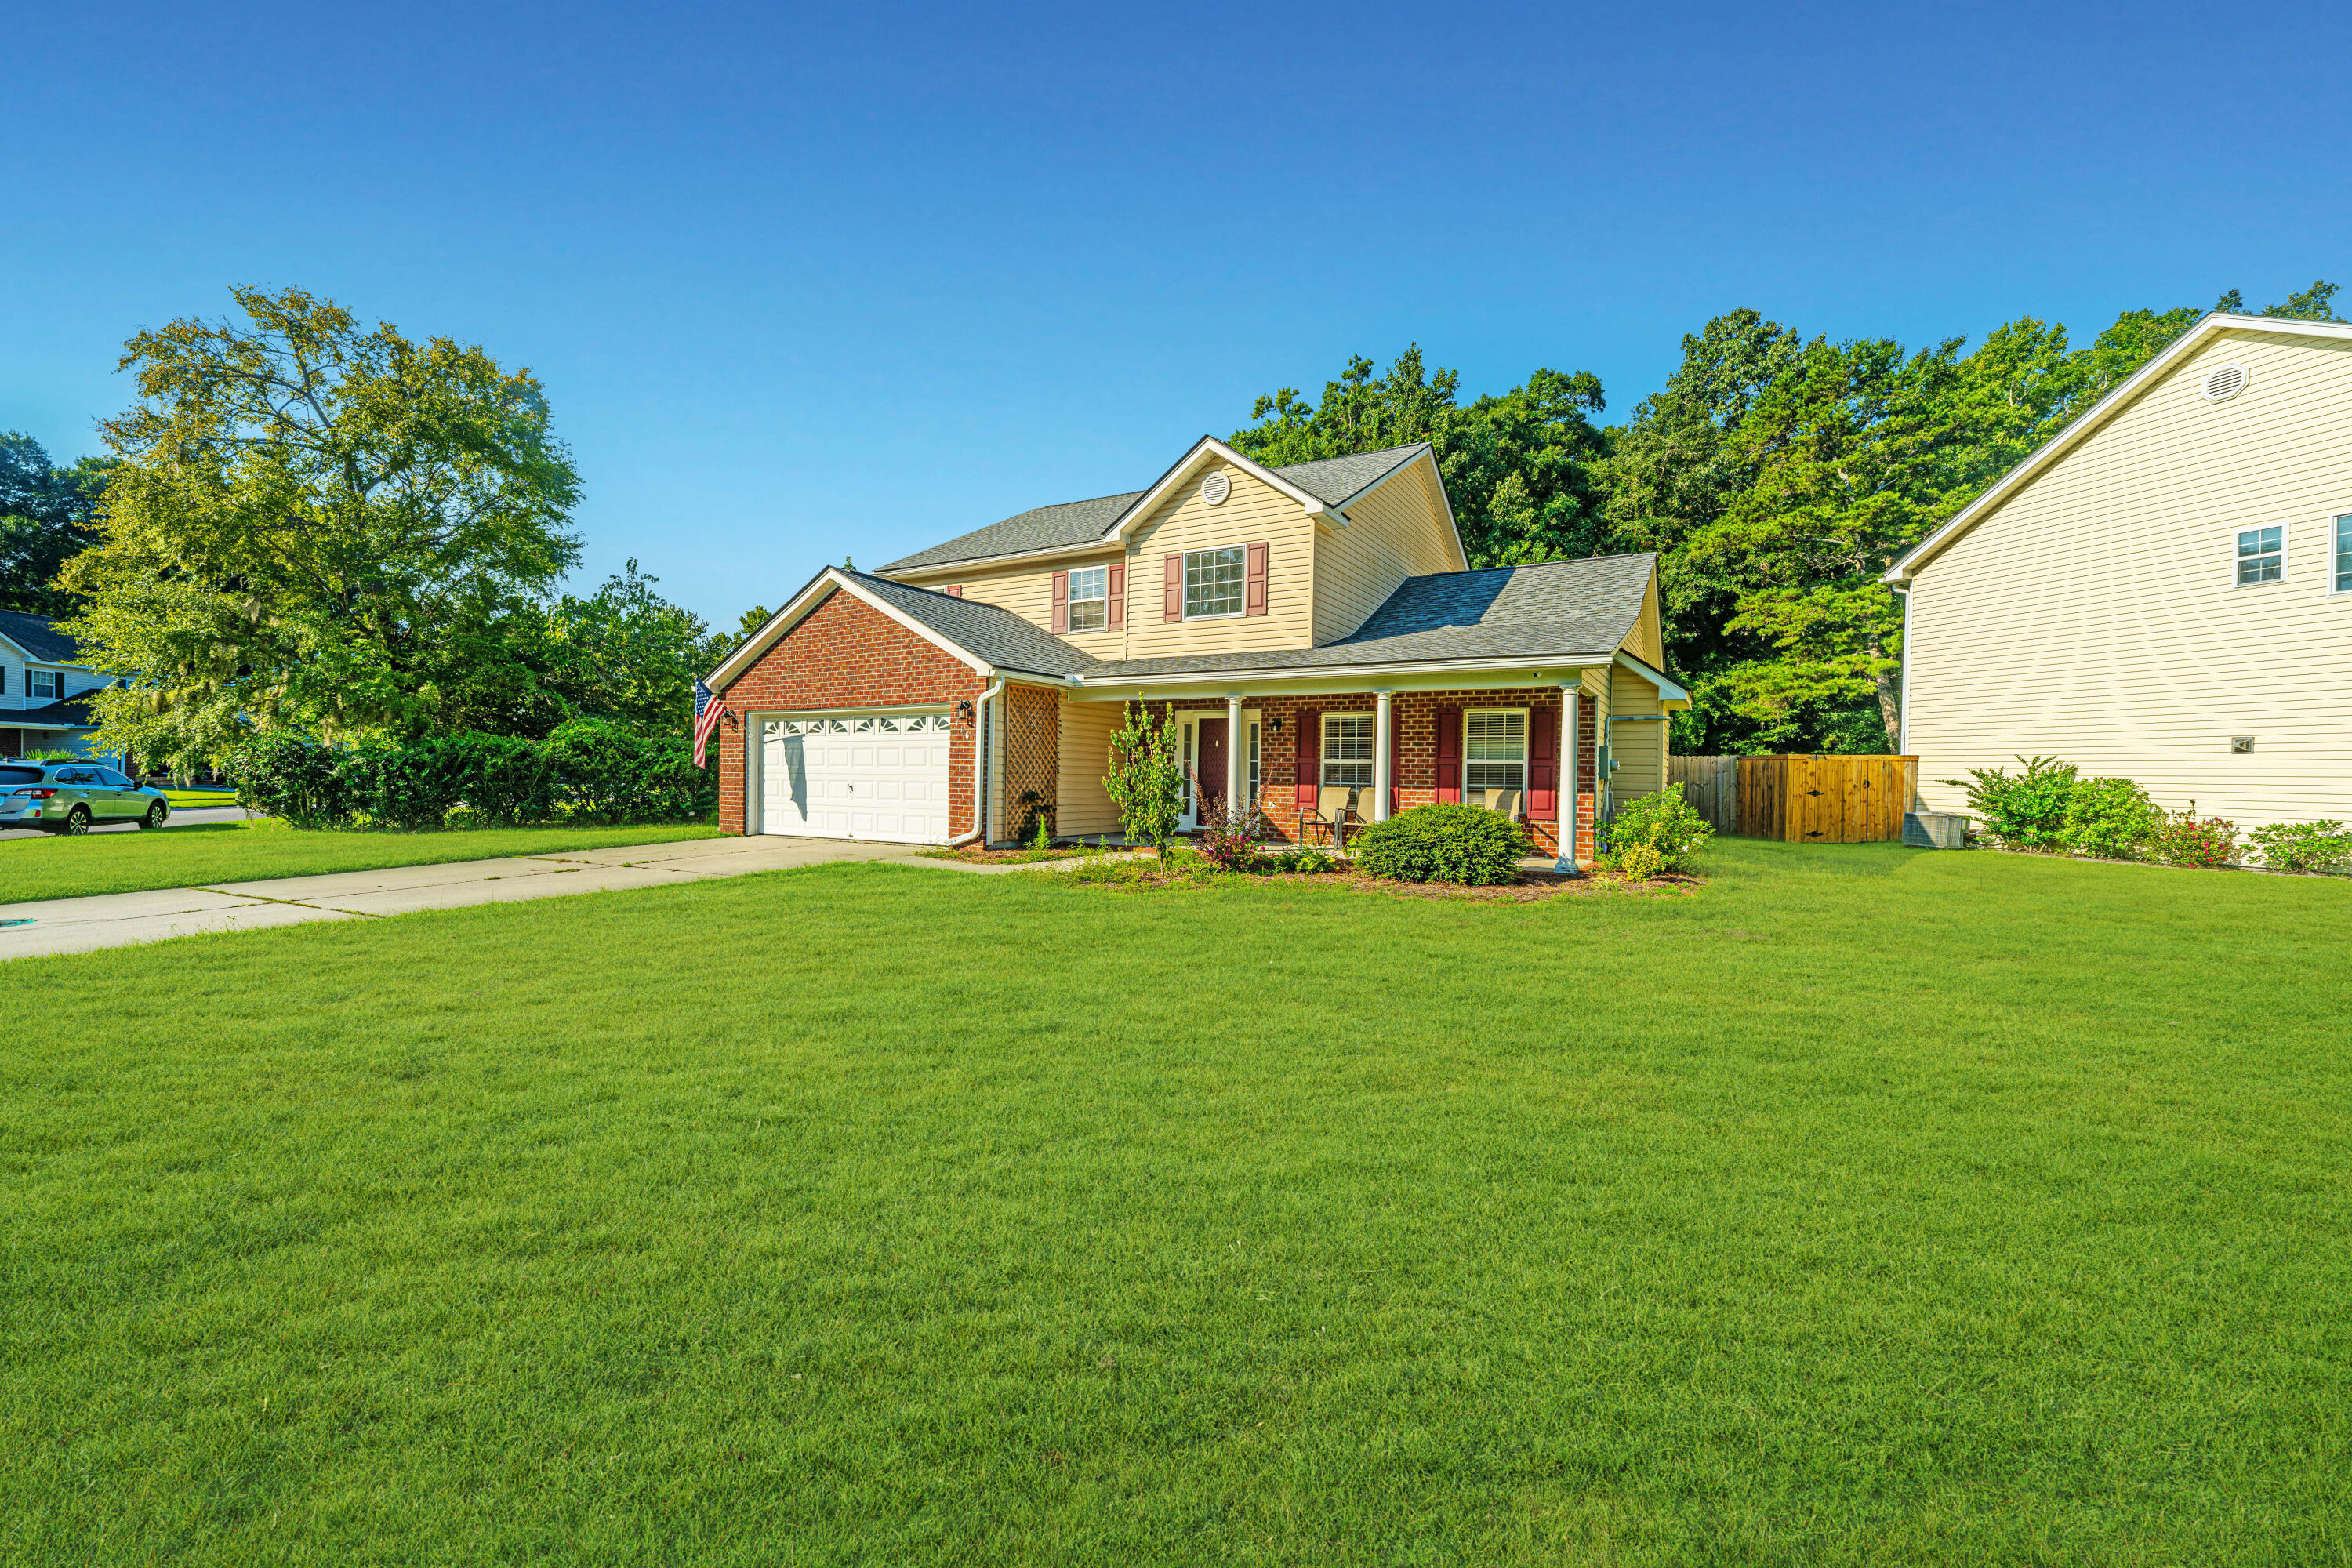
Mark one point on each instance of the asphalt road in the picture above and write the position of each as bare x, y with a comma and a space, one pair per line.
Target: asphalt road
188, 818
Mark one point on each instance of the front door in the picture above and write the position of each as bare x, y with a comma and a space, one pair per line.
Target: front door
1208, 764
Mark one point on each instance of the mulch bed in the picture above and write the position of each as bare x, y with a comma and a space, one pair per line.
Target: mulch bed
1529, 888
1023, 857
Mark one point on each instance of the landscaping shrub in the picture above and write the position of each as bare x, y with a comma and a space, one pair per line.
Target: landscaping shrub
2110, 818
2302, 846
293, 777
2022, 811
510, 781
1306, 858
1228, 836
408, 787
2185, 838
605, 773
1462, 843
1654, 833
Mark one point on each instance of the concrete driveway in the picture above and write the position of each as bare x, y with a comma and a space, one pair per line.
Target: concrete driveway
119, 919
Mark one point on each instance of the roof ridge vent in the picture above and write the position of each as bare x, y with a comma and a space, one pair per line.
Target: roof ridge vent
2225, 383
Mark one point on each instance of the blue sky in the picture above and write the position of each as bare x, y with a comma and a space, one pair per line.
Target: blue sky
809, 283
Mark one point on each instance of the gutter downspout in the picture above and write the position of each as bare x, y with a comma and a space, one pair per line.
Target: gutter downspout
980, 765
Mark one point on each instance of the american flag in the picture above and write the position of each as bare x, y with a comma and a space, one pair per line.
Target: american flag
707, 712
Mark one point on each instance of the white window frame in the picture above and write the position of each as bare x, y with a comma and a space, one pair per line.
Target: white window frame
1476, 794
2237, 543
1251, 723
1323, 762
1241, 583
56, 684
1100, 581
2340, 518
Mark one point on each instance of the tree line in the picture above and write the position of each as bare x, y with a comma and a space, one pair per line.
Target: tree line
301, 524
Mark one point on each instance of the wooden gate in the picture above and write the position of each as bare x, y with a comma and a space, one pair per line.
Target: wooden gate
1711, 785
1825, 799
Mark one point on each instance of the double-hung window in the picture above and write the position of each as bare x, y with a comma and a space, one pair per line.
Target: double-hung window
2261, 555
1212, 583
2344, 554
1348, 749
1493, 751
1089, 595
45, 683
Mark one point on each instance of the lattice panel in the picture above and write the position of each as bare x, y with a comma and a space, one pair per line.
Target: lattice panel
1032, 722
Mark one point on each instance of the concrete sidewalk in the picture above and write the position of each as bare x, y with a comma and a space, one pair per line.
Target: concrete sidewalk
119, 919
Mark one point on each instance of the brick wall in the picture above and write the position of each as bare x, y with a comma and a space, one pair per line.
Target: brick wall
847, 654
1415, 715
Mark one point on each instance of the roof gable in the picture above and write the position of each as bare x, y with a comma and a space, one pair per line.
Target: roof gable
984, 635
38, 637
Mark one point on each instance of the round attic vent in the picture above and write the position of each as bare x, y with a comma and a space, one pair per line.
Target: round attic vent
1216, 488
2225, 383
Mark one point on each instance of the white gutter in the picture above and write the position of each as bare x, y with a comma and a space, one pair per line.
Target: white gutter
980, 765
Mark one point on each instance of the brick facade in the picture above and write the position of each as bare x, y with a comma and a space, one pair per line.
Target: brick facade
847, 654
1414, 714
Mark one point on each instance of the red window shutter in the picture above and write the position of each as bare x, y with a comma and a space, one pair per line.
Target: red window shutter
1061, 602
1115, 613
1310, 757
1543, 764
1449, 754
953, 592
1254, 581
1173, 579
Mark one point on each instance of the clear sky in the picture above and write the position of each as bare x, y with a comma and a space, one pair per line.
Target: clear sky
805, 283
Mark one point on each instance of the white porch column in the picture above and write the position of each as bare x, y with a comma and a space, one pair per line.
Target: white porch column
1381, 720
1236, 757
1569, 698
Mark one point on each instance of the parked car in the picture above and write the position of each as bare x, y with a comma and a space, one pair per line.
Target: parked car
74, 797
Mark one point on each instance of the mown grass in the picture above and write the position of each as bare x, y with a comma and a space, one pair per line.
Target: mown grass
208, 853
1862, 1206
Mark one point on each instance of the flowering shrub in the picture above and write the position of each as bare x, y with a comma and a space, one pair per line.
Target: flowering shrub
1229, 834
2302, 846
2185, 838
2022, 811
1665, 829
2110, 818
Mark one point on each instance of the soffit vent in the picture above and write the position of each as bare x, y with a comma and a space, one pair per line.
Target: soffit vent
2225, 383
1216, 488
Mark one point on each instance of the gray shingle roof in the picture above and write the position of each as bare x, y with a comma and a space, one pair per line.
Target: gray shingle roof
986, 631
1071, 524
1557, 611
38, 636
73, 711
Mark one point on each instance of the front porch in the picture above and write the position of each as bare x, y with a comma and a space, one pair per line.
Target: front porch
1397, 748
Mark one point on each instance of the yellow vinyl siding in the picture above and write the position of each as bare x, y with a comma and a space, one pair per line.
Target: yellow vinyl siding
1252, 513
1638, 739
1397, 531
1027, 590
2093, 616
1084, 758
1645, 641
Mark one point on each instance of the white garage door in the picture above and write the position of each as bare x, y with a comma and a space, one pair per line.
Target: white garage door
857, 776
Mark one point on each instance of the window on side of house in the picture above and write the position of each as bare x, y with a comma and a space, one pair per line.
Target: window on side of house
1212, 583
1493, 751
2261, 555
1256, 793
2344, 554
45, 683
1090, 599
1348, 749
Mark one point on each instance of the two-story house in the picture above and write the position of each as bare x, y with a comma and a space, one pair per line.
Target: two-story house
2162, 592
1308, 626
41, 677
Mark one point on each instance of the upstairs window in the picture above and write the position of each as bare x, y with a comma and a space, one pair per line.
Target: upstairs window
2344, 554
1494, 750
1090, 599
2261, 555
1212, 583
45, 683
1348, 749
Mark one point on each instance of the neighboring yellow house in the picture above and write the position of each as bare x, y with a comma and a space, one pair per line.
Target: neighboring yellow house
2162, 592
1314, 627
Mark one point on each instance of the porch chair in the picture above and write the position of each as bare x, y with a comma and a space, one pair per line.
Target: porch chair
1504, 800
1334, 803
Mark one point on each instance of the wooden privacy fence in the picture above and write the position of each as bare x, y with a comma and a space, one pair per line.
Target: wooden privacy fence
1711, 785
1825, 799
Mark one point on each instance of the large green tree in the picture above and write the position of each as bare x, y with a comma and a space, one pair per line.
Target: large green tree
48, 515
313, 523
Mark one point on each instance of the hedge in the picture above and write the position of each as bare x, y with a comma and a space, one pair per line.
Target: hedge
1464, 844
587, 771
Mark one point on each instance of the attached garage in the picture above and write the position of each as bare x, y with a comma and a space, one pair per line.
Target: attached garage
878, 774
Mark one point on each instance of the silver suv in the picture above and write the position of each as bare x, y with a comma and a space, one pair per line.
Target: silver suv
74, 797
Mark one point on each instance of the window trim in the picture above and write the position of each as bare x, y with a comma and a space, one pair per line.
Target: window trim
2286, 539
57, 683
1241, 599
1102, 598
1526, 753
1370, 762
2328, 554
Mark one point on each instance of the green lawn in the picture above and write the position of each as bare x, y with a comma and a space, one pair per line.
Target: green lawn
184, 799
1867, 1205
205, 854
